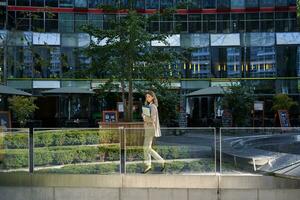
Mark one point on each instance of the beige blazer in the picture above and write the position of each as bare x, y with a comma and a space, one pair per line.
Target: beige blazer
153, 121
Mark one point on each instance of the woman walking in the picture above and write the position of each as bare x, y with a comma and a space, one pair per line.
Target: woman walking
152, 129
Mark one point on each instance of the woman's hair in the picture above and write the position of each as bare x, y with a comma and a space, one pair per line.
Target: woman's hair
151, 93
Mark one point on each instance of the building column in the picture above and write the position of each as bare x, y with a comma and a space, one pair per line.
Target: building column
182, 110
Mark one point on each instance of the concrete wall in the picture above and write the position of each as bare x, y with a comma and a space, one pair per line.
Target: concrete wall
147, 187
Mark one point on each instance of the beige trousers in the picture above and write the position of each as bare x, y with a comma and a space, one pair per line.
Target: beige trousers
148, 151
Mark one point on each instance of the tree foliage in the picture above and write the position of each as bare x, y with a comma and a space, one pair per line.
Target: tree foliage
22, 107
123, 55
239, 101
283, 102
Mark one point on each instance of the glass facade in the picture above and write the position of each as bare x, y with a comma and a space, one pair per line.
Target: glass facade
158, 4
251, 58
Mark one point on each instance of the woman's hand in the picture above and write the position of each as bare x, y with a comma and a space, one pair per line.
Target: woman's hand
144, 117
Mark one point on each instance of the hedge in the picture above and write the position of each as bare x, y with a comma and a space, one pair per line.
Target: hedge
199, 166
16, 158
61, 138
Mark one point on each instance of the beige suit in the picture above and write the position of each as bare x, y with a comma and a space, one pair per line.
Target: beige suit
152, 129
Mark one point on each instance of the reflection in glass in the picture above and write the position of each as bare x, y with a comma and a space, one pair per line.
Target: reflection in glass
262, 61
200, 65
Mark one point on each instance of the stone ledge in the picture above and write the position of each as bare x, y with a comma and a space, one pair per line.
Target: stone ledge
149, 181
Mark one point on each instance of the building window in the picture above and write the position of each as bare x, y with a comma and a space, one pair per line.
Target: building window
292, 21
238, 4
152, 4
20, 66
96, 20
181, 4
238, 22
166, 4
23, 2
66, 3
292, 2
233, 68
80, 21
166, 24
200, 63
251, 3
298, 61
51, 3
267, 3
209, 23
81, 3
281, 3
223, 23
12, 2
223, 4
23, 21
262, 62
46, 62
266, 22
195, 23
195, 4
66, 22
180, 23
51, 22
108, 20
252, 22
95, 3
154, 24
39, 3
281, 22
209, 4
2, 17
287, 62
37, 22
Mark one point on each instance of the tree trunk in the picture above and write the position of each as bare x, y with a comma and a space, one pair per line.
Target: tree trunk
124, 100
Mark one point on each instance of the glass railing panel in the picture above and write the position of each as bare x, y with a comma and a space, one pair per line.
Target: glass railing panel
177, 151
77, 151
14, 150
259, 150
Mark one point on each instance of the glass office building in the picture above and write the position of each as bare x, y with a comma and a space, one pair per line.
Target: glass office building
256, 41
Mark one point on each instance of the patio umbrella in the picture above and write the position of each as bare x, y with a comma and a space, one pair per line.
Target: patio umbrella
210, 91
68, 91
12, 91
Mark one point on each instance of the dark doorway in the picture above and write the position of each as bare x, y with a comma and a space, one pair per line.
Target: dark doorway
47, 111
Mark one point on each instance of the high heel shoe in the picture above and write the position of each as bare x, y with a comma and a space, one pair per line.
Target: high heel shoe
147, 169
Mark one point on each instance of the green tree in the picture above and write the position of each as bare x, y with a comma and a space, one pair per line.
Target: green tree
127, 56
22, 107
298, 12
239, 101
283, 102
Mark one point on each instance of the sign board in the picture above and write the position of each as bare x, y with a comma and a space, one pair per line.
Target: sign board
110, 116
258, 105
283, 116
120, 106
5, 121
226, 118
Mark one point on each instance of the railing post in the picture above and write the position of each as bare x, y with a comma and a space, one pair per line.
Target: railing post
122, 147
31, 164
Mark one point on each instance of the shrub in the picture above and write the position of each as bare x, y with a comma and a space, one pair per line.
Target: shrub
58, 139
16, 141
42, 157
109, 136
75, 138
15, 159
42, 139
63, 157
86, 154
